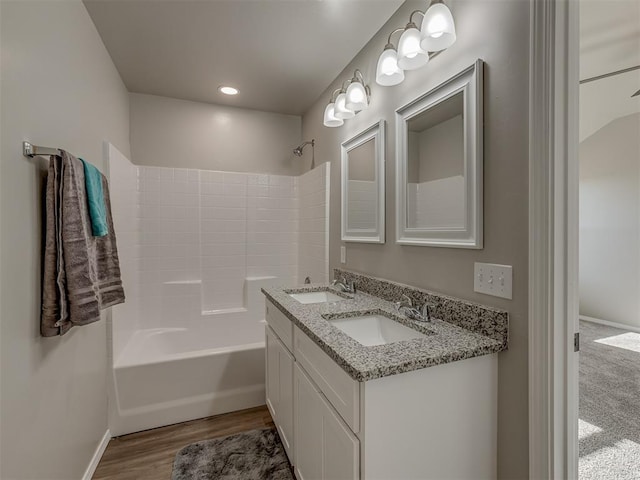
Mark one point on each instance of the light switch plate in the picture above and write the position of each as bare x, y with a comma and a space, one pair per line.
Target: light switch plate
343, 254
492, 279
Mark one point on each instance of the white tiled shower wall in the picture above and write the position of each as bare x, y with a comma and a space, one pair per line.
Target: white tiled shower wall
123, 191
437, 203
362, 204
313, 231
202, 233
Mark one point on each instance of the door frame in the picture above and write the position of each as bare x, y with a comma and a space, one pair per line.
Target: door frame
553, 239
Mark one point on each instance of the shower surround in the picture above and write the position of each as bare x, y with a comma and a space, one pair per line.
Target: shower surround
196, 247
204, 233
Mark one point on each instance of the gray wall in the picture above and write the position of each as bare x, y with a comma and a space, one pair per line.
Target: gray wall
59, 88
436, 152
442, 150
610, 222
504, 46
167, 132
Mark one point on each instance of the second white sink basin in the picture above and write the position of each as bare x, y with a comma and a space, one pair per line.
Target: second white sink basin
375, 329
316, 297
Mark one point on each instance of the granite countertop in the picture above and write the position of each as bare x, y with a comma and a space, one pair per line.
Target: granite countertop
444, 342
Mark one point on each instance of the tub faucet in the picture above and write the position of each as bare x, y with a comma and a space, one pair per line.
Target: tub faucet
345, 286
420, 314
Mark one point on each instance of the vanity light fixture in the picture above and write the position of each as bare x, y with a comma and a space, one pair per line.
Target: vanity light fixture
342, 111
330, 119
438, 28
357, 95
347, 101
388, 73
411, 56
437, 32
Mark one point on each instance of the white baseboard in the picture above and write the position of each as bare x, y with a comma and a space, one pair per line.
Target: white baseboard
102, 446
621, 326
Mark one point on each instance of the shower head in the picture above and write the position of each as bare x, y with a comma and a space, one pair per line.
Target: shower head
298, 150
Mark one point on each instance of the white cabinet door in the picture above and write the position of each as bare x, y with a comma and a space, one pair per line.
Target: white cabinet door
273, 378
325, 447
280, 389
308, 427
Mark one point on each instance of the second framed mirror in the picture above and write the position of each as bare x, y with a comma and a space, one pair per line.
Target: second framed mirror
439, 165
363, 186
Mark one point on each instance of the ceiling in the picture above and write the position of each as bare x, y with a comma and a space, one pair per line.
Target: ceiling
609, 41
280, 54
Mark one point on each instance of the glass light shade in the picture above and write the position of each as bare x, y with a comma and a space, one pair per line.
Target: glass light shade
356, 97
330, 119
410, 55
341, 110
387, 72
438, 28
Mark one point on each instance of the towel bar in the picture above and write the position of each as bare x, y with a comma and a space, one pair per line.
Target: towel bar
29, 150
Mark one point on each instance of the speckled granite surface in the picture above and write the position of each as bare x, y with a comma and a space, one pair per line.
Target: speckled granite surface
481, 319
444, 342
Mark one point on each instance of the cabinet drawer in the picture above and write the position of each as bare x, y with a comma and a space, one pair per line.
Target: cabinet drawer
280, 324
337, 386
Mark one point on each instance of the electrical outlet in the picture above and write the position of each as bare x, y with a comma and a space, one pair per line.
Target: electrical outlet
343, 254
491, 279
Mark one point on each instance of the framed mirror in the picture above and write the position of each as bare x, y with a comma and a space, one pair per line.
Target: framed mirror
439, 165
363, 186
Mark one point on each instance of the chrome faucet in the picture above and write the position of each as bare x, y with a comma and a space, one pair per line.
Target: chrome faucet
345, 286
420, 314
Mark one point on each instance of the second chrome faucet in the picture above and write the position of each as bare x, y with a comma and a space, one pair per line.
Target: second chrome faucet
345, 286
419, 313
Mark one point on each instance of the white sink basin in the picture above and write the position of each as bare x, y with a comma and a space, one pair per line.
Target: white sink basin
316, 297
370, 330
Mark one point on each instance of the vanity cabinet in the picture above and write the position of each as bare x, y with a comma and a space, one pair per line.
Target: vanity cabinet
431, 423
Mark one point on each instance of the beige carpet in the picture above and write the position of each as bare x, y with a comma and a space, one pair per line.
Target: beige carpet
609, 426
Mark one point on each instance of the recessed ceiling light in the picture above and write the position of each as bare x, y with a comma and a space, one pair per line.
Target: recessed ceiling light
228, 90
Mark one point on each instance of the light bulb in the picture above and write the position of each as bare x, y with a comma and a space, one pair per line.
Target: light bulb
387, 72
438, 28
341, 110
330, 119
228, 90
356, 97
410, 54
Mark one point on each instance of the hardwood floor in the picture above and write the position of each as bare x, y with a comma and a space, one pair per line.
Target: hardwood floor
149, 455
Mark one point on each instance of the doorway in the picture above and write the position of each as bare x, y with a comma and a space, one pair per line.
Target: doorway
609, 240
554, 298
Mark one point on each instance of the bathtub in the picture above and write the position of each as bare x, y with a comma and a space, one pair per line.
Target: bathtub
170, 375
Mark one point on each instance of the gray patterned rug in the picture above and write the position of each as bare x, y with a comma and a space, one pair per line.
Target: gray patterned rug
253, 455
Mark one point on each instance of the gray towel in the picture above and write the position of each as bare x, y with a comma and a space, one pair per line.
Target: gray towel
81, 272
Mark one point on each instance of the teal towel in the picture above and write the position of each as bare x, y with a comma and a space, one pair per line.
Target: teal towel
95, 199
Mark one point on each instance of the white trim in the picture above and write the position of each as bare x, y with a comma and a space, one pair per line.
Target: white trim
607, 323
375, 132
327, 217
95, 460
470, 82
553, 239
